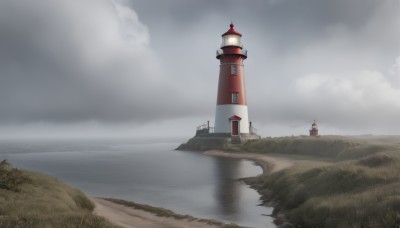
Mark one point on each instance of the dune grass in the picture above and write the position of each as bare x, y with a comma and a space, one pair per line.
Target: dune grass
337, 181
29, 199
358, 187
333, 147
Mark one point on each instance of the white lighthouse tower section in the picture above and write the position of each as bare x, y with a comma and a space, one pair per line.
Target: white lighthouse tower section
222, 122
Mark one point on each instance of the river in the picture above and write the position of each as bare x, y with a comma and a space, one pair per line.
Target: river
149, 172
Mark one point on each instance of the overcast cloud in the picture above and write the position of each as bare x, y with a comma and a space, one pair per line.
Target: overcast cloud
148, 67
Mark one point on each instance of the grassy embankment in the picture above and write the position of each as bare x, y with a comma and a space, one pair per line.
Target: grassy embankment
335, 182
34, 200
29, 199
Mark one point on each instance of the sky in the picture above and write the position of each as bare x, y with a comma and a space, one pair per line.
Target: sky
147, 68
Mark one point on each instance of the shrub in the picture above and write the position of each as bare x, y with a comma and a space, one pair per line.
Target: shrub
11, 178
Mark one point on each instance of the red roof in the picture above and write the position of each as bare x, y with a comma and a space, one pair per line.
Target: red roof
232, 31
235, 118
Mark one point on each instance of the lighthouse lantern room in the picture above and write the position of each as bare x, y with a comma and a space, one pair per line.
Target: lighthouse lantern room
231, 115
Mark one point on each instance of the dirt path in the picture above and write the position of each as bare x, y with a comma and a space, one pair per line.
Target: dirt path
269, 164
133, 218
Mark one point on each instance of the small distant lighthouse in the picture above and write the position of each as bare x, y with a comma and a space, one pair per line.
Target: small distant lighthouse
314, 129
231, 115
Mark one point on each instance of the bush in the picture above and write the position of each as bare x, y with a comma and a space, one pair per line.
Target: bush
11, 178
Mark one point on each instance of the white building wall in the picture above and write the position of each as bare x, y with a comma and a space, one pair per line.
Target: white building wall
224, 112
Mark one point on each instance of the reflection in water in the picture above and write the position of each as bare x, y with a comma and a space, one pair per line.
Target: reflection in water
227, 194
149, 173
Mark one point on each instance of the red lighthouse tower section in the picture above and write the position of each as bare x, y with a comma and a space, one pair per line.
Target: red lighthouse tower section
314, 129
231, 113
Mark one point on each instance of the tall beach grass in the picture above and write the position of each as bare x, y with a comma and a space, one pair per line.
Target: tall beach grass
358, 184
29, 199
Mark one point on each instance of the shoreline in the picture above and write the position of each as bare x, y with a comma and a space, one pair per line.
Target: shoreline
131, 215
268, 163
128, 214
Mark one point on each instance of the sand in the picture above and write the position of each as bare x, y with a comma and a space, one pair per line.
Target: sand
269, 163
133, 218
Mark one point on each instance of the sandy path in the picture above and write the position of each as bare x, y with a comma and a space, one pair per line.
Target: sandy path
130, 217
269, 164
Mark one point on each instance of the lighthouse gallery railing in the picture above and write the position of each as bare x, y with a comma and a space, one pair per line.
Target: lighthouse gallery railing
205, 129
242, 52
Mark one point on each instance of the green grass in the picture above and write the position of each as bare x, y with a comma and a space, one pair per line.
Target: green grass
359, 187
337, 181
37, 200
330, 147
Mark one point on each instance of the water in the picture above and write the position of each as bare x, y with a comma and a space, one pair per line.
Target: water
150, 173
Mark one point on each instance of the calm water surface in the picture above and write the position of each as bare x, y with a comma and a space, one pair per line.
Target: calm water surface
150, 173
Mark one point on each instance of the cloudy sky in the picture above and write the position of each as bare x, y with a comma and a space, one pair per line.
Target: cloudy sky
147, 67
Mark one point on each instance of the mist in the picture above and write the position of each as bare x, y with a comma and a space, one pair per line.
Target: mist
145, 68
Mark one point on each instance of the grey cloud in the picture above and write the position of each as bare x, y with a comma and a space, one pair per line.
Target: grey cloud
82, 61
79, 61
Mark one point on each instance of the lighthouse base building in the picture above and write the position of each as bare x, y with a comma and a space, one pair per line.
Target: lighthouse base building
208, 135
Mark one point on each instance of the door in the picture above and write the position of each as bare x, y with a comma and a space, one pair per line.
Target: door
235, 127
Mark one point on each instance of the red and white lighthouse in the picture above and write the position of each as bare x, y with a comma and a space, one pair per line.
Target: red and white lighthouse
231, 114
314, 129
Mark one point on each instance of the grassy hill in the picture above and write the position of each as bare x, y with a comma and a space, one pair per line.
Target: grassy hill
29, 199
333, 147
335, 182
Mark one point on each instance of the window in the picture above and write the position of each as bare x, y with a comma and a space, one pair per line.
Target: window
234, 98
233, 69
231, 40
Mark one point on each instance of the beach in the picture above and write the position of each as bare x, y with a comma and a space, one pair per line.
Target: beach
129, 217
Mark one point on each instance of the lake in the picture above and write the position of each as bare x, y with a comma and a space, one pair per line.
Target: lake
150, 172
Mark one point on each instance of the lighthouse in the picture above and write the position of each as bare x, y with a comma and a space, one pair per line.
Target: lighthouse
231, 116
314, 129
231, 124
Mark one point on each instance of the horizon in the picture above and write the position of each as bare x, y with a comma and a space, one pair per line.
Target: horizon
128, 68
